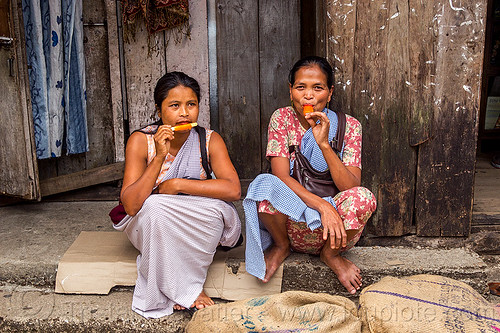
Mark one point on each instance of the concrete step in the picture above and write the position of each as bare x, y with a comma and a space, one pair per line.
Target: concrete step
26, 308
304, 272
30, 309
35, 236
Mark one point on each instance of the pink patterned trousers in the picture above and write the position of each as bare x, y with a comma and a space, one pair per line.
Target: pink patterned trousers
355, 206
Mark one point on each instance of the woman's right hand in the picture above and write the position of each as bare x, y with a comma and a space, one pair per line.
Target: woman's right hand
162, 139
333, 226
320, 130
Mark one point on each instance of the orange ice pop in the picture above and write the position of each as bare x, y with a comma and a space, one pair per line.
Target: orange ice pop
308, 109
184, 127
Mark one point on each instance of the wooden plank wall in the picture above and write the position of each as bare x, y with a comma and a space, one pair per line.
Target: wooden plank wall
97, 72
143, 69
394, 60
18, 174
278, 51
446, 162
255, 51
190, 55
238, 82
115, 79
368, 45
142, 72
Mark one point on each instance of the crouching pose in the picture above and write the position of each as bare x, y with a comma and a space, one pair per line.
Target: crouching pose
281, 214
177, 213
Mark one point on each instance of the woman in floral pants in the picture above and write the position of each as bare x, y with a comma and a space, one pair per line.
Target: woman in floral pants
311, 83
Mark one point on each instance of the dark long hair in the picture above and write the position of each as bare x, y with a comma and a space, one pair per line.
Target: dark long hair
322, 63
172, 80
166, 83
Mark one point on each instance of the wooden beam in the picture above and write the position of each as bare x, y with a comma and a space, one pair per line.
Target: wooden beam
82, 179
115, 78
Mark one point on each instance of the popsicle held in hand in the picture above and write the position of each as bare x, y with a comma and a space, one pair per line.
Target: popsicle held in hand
184, 127
308, 109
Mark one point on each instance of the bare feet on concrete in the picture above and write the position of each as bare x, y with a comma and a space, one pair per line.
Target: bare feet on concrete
273, 257
178, 307
201, 302
347, 272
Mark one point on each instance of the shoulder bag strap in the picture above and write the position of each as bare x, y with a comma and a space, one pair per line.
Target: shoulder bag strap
339, 138
203, 150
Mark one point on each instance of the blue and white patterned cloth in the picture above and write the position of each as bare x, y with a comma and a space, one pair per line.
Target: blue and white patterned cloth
271, 188
309, 147
54, 47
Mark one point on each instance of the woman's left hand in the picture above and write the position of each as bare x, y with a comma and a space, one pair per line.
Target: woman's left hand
320, 130
169, 186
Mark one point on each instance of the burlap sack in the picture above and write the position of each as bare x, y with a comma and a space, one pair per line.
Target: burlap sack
293, 311
425, 303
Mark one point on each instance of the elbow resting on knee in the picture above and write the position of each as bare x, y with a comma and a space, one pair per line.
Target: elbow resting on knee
131, 211
236, 194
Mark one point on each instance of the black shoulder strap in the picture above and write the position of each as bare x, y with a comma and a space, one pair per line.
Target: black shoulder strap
339, 138
203, 150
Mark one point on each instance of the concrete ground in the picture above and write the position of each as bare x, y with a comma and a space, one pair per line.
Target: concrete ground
35, 236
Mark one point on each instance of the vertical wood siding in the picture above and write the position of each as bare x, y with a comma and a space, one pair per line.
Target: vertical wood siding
99, 112
142, 72
190, 56
278, 51
446, 161
238, 83
257, 44
115, 83
19, 174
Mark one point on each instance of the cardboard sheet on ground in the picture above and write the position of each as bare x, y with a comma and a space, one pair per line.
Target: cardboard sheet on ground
98, 261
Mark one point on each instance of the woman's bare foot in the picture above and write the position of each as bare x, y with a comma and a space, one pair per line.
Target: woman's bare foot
273, 257
202, 301
347, 273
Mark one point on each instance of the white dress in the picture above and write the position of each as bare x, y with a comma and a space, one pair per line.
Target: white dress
177, 236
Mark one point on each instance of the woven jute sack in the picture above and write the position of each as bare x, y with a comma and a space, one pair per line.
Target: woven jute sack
425, 303
292, 311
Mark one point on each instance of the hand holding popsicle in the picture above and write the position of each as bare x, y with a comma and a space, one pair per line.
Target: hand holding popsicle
184, 127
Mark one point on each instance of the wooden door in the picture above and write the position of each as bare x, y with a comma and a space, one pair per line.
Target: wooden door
257, 44
18, 169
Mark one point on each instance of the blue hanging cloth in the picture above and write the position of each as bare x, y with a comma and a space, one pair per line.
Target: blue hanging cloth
54, 47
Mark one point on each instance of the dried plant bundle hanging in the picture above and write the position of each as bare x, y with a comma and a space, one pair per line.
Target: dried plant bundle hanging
158, 15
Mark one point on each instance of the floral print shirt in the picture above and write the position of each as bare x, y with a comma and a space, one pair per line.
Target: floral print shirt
285, 130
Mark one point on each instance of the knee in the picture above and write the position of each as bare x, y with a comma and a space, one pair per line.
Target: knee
366, 197
150, 211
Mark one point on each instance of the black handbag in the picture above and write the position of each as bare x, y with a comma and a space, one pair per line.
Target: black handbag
318, 182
